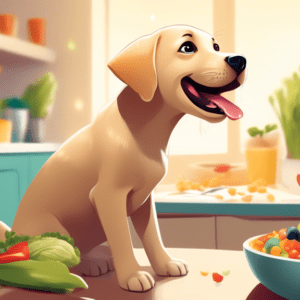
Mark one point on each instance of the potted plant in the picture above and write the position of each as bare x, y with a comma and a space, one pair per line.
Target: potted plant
286, 104
15, 110
38, 98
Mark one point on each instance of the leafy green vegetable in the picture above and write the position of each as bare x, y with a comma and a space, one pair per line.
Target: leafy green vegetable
253, 131
48, 246
286, 104
39, 95
52, 276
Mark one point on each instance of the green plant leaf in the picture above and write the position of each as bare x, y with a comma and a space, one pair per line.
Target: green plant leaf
270, 127
253, 131
39, 95
288, 112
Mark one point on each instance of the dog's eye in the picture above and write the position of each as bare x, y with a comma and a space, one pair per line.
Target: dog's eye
188, 48
216, 47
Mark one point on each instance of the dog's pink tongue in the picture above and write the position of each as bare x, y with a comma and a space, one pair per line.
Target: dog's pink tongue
232, 111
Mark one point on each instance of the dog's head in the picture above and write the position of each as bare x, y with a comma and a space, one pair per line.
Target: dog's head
187, 67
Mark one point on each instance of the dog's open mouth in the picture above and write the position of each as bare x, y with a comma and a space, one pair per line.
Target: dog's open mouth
210, 100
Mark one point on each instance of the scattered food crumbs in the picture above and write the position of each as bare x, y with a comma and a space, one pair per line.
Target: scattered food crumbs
226, 272
204, 273
247, 198
232, 191
220, 197
270, 197
217, 277
260, 182
252, 188
184, 184
261, 189
241, 193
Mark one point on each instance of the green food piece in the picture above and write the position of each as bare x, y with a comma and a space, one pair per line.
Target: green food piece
270, 243
50, 248
283, 253
59, 247
52, 276
226, 273
39, 95
286, 104
253, 131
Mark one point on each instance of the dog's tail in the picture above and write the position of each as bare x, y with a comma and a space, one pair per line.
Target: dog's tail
3, 228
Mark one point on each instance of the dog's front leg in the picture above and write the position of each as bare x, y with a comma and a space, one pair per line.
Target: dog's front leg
110, 203
145, 223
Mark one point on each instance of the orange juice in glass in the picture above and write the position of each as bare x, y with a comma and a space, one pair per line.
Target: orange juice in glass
5, 131
262, 163
262, 155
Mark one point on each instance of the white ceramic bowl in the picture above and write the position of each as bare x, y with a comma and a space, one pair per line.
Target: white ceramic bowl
279, 274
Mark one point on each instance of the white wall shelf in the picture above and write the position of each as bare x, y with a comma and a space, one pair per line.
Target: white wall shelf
8, 148
14, 50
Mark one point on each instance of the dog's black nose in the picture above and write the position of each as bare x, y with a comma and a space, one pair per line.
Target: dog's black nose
237, 63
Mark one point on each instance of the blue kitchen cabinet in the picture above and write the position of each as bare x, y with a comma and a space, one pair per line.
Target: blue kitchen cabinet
17, 170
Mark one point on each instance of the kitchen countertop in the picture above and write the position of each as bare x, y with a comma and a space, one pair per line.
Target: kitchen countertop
285, 204
239, 284
7, 148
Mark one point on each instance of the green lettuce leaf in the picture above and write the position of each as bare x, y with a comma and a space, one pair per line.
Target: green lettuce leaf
48, 246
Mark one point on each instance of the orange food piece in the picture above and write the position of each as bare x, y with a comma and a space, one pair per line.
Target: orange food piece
282, 243
270, 197
181, 184
220, 197
282, 234
184, 184
294, 254
291, 245
214, 182
252, 188
261, 189
247, 198
260, 182
232, 191
264, 238
204, 273
241, 193
275, 251
258, 245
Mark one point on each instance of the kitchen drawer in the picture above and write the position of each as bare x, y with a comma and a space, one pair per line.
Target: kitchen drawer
183, 232
17, 170
232, 231
18, 165
10, 195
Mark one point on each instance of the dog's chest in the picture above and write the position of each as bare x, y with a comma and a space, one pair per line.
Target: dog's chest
150, 173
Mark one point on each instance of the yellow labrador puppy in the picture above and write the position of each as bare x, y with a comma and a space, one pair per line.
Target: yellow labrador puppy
109, 169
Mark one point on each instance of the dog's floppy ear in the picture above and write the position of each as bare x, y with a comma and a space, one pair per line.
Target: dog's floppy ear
135, 66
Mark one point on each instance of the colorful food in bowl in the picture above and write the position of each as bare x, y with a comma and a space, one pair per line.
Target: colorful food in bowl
274, 259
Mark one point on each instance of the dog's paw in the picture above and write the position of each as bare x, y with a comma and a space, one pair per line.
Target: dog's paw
96, 262
174, 267
141, 281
